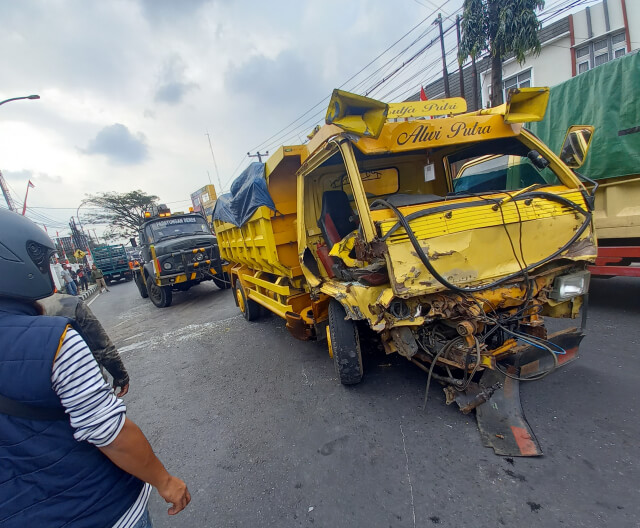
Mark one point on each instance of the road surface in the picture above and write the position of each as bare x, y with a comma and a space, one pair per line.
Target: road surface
257, 425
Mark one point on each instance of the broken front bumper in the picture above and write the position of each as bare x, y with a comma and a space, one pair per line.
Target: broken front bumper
496, 396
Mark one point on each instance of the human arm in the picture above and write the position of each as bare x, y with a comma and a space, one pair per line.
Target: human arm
132, 452
102, 347
98, 417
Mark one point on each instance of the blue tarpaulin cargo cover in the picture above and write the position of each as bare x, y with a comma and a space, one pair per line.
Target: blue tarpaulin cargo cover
248, 192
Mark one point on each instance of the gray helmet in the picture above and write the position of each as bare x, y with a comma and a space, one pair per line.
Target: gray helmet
25, 250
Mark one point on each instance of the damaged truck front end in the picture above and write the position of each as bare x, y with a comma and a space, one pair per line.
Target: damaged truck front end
448, 237
484, 234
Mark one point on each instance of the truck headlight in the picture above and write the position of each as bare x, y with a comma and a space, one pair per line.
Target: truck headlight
167, 265
199, 257
567, 287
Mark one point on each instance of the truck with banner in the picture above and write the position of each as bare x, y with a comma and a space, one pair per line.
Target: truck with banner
605, 100
178, 251
415, 233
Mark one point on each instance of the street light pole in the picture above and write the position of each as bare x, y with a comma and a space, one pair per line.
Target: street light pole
3, 185
18, 98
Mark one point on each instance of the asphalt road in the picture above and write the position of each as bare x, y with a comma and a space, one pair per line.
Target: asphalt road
258, 426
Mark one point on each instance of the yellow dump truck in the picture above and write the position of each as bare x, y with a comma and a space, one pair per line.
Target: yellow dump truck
393, 220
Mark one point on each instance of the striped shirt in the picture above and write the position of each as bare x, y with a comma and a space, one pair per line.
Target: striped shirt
95, 413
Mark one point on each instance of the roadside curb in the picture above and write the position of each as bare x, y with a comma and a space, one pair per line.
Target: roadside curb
93, 288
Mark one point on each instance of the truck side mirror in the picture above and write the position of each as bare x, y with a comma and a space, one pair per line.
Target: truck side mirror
133, 241
576, 145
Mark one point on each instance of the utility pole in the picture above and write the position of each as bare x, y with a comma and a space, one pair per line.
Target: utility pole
460, 73
215, 165
258, 155
445, 73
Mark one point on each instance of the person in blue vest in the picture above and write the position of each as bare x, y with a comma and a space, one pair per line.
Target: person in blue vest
70, 456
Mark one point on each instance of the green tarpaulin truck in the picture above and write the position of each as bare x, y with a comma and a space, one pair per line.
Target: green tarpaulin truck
605, 97
113, 261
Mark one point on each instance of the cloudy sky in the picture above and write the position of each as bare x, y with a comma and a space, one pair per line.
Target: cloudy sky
130, 88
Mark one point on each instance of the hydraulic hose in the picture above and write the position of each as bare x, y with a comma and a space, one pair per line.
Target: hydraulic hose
404, 222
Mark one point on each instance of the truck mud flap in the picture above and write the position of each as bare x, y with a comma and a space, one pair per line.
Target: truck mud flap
297, 326
501, 421
496, 397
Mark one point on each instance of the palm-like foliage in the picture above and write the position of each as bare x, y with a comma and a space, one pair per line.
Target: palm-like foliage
501, 27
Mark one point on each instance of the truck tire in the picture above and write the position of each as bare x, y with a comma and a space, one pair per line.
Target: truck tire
222, 281
250, 309
344, 345
161, 296
142, 287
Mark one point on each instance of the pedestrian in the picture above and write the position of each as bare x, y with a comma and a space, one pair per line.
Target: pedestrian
98, 277
87, 273
74, 276
70, 455
69, 284
82, 277
97, 339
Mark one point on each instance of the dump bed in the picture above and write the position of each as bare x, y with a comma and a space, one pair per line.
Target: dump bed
267, 241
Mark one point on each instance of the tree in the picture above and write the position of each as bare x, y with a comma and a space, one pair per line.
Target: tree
501, 27
122, 212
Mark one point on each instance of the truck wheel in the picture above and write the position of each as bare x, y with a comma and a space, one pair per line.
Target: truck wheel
250, 309
222, 281
161, 296
344, 345
142, 287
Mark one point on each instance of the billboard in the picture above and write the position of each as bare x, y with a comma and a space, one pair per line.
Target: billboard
204, 199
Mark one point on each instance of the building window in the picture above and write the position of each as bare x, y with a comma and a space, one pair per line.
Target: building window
521, 80
619, 45
600, 51
582, 58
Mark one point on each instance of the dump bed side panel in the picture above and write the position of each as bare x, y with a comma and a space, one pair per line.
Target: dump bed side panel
267, 242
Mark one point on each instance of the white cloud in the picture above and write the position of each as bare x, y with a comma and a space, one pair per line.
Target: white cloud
119, 145
129, 88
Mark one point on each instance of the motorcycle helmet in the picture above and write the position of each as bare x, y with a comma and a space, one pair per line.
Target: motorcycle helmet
25, 250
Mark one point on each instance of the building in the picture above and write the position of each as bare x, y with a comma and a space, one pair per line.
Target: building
204, 200
570, 46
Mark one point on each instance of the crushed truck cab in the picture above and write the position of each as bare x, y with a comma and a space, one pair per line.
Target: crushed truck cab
449, 238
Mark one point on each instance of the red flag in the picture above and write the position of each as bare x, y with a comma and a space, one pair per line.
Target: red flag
423, 95
31, 185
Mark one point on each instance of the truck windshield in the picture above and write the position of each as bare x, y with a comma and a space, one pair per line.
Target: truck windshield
498, 173
176, 227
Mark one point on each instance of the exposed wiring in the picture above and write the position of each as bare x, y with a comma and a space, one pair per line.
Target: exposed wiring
404, 223
430, 374
534, 378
